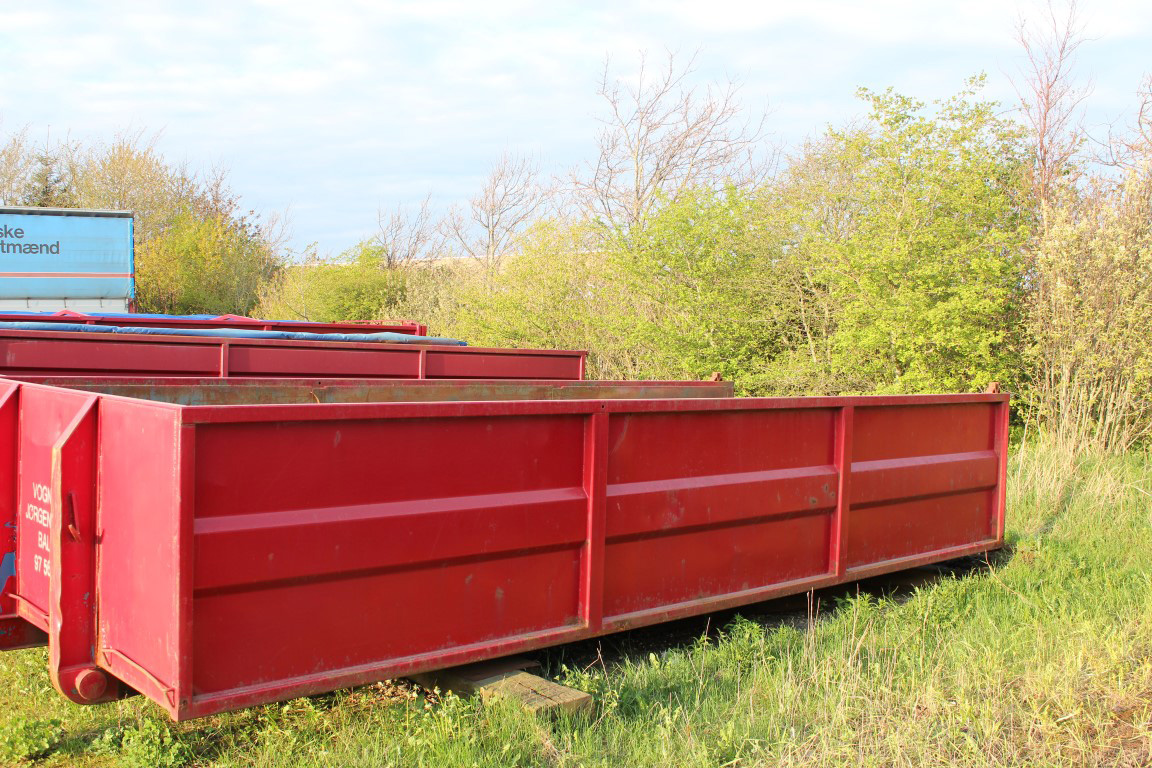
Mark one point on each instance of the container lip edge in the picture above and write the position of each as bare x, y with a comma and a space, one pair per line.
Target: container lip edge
248, 413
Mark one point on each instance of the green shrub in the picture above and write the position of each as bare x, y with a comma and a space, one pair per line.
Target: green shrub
24, 738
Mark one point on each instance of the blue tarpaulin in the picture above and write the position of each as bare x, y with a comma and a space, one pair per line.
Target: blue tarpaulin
126, 315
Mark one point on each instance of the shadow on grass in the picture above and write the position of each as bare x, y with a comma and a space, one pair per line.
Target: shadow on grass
213, 737
797, 611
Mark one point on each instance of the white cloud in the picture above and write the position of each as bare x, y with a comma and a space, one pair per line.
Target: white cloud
338, 109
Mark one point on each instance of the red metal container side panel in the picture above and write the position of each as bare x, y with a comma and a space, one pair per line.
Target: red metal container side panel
9, 471
31, 353
309, 543
139, 555
925, 478
45, 414
250, 391
15, 632
706, 579
61, 354
703, 505
386, 362
319, 546
919, 429
495, 364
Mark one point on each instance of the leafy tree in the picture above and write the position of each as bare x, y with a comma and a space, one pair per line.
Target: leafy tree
196, 249
202, 264
921, 260
703, 288
50, 182
16, 164
554, 291
357, 286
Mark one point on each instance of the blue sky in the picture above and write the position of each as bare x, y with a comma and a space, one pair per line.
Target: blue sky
332, 111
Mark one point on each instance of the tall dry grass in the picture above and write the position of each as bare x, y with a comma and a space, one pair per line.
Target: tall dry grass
1041, 658
1092, 316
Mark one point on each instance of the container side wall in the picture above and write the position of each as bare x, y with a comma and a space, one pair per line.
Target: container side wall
704, 505
524, 365
31, 353
925, 479
245, 391
245, 360
45, 414
15, 632
326, 546
9, 465
64, 356
138, 555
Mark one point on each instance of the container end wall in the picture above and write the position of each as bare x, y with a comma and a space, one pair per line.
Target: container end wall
140, 549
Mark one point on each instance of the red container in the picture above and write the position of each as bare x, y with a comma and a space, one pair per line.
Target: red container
47, 353
220, 321
213, 557
217, 391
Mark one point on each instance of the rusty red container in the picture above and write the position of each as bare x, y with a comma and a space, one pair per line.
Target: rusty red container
212, 557
238, 322
41, 353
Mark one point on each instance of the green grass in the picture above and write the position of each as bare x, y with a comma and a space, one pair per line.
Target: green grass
1045, 658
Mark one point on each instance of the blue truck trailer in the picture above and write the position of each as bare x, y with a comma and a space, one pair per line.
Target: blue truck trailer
65, 258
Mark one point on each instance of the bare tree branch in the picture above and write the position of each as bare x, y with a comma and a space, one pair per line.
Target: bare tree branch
403, 237
1130, 148
18, 165
662, 136
1051, 100
509, 199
